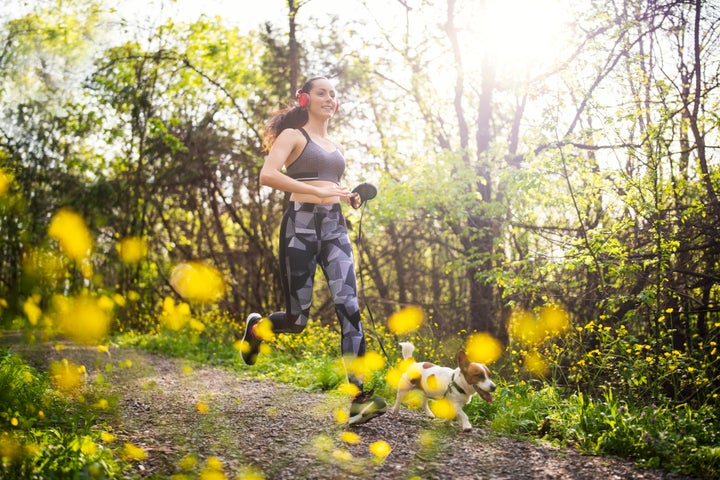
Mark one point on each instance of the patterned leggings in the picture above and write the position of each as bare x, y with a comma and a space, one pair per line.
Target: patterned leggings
311, 235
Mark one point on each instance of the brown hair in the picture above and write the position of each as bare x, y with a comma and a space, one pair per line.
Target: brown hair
293, 116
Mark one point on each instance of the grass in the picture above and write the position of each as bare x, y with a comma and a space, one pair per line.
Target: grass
625, 418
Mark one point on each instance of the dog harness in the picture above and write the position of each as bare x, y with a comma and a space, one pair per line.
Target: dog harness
316, 163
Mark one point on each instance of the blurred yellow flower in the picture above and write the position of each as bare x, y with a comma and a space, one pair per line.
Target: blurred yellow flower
264, 330
67, 376
350, 437
341, 416
555, 319
349, 389
366, 365
87, 446
81, 318
197, 325
69, 229
342, 455
174, 316
406, 320
10, 448
132, 452
197, 282
5, 181
132, 249
483, 348
443, 408
119, 300
536, 365
202, 407
525, 328
32, 310
380, 448
213, 470
107, 437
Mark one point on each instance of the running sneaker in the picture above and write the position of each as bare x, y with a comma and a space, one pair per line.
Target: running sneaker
365, 407
250, 345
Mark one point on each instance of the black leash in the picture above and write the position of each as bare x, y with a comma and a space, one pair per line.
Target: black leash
358, 240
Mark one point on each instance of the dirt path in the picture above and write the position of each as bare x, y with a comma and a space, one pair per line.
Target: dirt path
285, 433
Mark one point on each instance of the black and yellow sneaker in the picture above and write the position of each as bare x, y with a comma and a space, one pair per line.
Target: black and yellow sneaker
365, 407
250, 345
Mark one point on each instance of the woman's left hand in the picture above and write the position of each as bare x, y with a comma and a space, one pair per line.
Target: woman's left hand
355, 200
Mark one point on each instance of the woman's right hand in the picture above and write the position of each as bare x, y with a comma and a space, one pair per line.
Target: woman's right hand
334, 191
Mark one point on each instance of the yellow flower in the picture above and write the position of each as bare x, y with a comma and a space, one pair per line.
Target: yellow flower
406, 320
197, 282
66, 376
443, 408
32, 310
536, 364
555, 320
14, 422
107, 437
350, 437
380, 448
483, 348
524, 328
69, 229
342, 455
349, 389
82, 318
132, 249
341, 416
202, 407
133, 452
5, 181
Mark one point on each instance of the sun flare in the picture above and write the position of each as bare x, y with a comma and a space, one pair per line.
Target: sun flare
517, 35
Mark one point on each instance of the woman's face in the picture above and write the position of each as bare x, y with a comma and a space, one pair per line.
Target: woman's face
322, 98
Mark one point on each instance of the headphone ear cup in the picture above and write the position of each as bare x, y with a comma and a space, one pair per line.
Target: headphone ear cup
302, 98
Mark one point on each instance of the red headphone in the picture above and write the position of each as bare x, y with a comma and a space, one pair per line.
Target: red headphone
303, 100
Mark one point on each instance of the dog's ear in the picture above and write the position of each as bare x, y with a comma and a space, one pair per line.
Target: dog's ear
463, 360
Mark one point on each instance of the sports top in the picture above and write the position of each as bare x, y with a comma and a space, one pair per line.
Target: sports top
316, 163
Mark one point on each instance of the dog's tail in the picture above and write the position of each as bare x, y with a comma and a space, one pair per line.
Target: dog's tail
407, 349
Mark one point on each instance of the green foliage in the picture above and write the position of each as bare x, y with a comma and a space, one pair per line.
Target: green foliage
44, 435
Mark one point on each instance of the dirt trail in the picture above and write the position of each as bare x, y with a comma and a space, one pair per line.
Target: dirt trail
286, 433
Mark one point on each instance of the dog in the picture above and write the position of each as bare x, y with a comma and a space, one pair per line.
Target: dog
435, 382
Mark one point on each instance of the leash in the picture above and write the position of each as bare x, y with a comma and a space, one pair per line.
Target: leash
358, 241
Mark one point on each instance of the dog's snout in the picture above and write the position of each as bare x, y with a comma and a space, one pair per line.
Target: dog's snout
493, 387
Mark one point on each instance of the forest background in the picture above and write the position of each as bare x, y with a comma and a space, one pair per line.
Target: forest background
532, 157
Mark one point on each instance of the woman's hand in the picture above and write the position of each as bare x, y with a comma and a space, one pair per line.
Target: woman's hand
334, 191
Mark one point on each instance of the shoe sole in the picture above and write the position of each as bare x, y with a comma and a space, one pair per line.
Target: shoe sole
251, 357
365, 416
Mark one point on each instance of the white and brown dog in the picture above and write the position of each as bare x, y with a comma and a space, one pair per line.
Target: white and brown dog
435, 382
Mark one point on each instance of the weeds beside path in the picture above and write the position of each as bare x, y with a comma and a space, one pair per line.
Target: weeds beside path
177, 411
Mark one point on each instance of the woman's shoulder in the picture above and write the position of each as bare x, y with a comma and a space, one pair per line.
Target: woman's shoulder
291, 135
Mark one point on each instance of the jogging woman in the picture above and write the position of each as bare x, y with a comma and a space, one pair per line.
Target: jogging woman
304, 161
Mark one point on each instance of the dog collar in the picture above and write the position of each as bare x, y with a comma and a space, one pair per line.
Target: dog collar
453, 383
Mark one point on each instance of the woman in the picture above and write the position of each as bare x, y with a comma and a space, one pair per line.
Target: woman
313, 230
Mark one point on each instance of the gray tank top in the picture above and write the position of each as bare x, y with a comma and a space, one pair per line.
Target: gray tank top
315, 163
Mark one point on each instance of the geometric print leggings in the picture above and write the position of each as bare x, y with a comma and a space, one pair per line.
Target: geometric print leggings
314, 234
